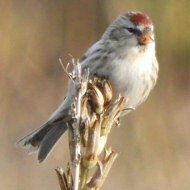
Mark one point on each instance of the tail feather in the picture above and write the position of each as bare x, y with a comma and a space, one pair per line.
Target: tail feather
50, 140
42, 140
31, 142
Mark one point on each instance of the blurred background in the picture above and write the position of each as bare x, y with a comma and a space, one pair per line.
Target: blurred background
153, 142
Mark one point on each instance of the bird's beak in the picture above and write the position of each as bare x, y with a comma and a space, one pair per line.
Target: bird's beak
145, 38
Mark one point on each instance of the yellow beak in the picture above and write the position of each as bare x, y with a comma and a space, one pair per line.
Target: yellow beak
145, 39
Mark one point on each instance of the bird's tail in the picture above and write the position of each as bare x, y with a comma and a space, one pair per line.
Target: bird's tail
43, 140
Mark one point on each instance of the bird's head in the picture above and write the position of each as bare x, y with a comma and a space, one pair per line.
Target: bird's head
133, 29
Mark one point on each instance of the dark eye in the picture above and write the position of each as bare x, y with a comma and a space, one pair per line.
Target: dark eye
134, 31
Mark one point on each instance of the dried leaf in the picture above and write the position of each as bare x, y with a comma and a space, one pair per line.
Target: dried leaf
61, 178
102, 171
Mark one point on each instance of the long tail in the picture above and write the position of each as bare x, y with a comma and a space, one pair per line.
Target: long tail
43, 140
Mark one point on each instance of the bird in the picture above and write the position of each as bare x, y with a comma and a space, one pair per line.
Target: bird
125, 55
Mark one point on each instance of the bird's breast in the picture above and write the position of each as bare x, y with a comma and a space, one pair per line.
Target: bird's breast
130, 76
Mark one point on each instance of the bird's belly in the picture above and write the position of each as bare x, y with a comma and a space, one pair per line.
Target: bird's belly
135, 91
132, 82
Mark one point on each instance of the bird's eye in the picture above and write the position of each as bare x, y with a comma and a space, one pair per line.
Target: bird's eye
131, 30
134, 31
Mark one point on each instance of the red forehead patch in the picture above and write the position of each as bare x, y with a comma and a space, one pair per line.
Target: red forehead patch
139, 18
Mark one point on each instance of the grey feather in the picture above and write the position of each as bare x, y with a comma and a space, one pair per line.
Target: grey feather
31, 142
50, 140
42, 140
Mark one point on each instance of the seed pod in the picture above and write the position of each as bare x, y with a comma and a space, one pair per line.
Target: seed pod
105, 87
106, 90
96, 99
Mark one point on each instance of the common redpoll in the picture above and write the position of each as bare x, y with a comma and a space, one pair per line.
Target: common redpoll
125, 54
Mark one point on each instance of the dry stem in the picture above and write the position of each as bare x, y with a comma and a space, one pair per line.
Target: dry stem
94, 113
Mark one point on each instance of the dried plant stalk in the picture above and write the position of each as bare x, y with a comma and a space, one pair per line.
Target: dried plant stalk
94, 114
